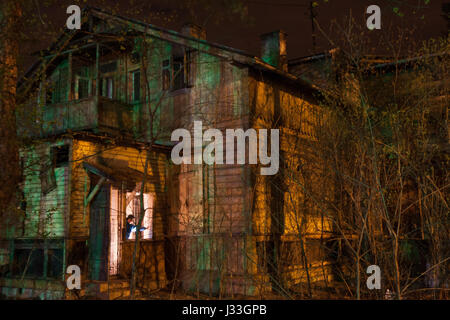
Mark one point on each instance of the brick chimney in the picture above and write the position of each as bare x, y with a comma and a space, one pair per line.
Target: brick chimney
193, 30
273, 49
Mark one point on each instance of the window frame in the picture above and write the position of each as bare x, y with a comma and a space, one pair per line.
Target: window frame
170, 74
108, 71
133, 86
78, 79
149, 212
57, 86
45, 245
104, 87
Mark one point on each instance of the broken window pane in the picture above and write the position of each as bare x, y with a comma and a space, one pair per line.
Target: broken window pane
29, 261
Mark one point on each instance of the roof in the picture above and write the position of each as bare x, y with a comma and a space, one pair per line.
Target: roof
115, 172
218, 50
316, 68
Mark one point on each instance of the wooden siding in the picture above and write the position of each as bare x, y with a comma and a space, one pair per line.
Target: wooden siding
45, 213
284, 212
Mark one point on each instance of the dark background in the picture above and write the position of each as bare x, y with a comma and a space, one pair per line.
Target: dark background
241, 28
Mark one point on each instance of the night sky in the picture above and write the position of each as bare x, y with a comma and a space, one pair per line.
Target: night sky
263, 16
293, 17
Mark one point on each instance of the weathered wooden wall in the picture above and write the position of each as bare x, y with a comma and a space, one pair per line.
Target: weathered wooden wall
45, 217
212, 223
45, 214
210, 204
285, 216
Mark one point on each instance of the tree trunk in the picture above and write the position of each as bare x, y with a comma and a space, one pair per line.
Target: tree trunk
10, 13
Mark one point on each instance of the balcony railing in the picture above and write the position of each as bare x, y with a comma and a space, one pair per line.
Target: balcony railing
100, 115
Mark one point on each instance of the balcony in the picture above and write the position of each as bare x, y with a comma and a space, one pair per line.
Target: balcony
98, 115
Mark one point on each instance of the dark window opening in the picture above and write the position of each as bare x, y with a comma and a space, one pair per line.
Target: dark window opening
37, 258
55, 260
135, 57
175, 71
107, 87
57, 86
83, 88
28, 261
178, 73
83, 82
60, 155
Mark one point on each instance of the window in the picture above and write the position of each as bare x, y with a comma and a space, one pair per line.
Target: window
175, 71
83, 88
107, 74
133, 208
55, 259
57, 88
107, 87
83, 84
37, 258
60, 155
136, 86
178, 73
28, 261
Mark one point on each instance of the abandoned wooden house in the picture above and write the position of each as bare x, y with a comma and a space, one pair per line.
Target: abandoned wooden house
106, 98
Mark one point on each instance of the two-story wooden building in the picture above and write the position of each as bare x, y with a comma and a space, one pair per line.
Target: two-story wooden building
104, 100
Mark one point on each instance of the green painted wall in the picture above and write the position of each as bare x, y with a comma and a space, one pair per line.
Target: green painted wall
45, 212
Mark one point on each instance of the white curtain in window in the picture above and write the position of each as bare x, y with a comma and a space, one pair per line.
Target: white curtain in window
133, 206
